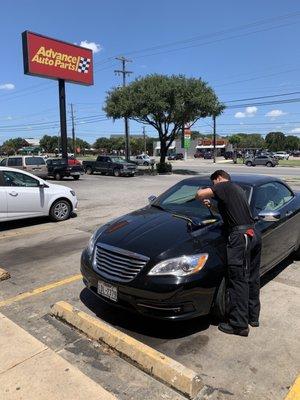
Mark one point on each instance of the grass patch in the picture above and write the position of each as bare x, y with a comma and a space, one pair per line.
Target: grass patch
289, 163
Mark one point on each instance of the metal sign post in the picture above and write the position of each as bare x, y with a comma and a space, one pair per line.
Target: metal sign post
63, 118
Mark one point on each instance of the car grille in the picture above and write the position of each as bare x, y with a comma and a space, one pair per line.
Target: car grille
117, 264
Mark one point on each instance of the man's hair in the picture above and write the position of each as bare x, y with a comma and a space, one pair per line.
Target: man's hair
220, 172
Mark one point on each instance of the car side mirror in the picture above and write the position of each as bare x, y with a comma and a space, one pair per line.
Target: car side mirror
269, 216
151, 199
43, 185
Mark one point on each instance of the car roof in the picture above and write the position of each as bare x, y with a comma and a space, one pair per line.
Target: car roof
246, 179
3, 168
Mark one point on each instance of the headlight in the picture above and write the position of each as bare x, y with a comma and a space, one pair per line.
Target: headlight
181, 266
92, 241
72, 193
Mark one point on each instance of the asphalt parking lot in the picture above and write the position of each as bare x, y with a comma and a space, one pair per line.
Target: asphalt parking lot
38, 253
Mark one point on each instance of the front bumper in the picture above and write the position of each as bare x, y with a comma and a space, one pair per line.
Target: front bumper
127, 172
161, 301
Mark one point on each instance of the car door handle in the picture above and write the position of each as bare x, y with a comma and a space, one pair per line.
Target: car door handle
288, 213
13, 194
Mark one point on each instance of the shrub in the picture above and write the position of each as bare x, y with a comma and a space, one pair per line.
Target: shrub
164, 168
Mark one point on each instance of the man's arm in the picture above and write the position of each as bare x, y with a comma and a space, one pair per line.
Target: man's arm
204, 194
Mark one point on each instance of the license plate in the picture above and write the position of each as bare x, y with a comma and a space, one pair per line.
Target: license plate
108, 291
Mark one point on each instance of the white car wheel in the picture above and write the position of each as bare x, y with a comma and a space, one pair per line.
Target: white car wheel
60, 210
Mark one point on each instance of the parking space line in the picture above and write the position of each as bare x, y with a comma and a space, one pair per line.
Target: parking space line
294, 392
40, 290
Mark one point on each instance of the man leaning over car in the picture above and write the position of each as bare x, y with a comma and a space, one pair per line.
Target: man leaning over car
243, 253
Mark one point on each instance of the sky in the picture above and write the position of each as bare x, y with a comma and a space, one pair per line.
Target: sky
248, 52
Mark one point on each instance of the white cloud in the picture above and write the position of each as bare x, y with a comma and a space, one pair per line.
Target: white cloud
275, 113
249, 112
296, 130
91, 45
240, 115
7, 86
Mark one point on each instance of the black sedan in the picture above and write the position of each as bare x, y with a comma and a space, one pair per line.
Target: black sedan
167, 259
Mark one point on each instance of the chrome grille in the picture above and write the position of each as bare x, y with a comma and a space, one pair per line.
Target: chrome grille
117, 264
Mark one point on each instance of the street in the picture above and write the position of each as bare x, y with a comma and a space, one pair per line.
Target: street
38, 253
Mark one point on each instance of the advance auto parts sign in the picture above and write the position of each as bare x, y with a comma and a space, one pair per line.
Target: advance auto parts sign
51, 58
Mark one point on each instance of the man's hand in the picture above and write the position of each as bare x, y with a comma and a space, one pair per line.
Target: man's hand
207, 203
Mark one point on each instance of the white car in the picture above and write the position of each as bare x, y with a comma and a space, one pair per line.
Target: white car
281, 155
23, 195
143, 159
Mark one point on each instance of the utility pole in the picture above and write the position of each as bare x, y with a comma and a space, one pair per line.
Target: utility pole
73, 130
214, 138
145, 141
124, 73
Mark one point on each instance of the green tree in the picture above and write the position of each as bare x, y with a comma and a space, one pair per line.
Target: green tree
248, 140
275, 141
292, 143
13, 145
235, 140
49, 143
164, 102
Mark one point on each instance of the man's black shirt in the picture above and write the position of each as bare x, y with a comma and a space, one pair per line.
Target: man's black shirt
233, 205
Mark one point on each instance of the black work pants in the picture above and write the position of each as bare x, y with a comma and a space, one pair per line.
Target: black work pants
243, 279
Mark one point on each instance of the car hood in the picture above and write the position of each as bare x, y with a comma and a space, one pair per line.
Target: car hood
58, 188
128, 164
150, 232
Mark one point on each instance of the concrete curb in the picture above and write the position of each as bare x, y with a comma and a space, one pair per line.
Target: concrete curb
148, 359
4, 274
294, 392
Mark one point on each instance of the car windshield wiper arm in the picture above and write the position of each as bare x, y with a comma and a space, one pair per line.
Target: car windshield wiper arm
195, 224
158, 206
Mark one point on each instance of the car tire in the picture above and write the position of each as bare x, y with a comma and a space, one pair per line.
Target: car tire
249, 164
269, 164
58, 176
60, 210
89, 171
116, 172
218, 309
297, 253
76, 177
146, 163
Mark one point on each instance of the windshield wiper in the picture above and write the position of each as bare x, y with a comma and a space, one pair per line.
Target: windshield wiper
193, 225
158, 206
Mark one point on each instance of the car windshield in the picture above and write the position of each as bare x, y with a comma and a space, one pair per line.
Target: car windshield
181, 199
34, 161
118, 159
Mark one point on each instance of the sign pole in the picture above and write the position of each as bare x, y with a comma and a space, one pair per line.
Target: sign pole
63, 118
214, 138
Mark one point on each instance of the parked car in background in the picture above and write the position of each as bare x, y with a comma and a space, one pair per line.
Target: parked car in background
261, 160
296, 153
33, 164
228, 155
73, 161
24, 195
176, 156
168, 259
208, 155
143, 159
199, 154
114, 165
281, 155
58, 168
